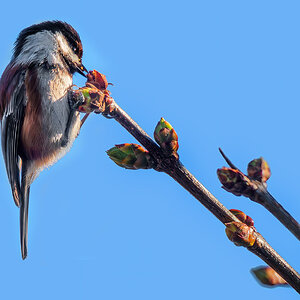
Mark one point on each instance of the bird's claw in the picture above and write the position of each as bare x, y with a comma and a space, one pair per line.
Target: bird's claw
107, 116
76, 100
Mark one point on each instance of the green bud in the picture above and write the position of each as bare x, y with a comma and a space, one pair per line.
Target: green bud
130, 156
166, 137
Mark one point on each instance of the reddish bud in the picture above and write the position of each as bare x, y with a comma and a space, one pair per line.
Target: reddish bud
234, 181
97, 79
258, 169
240, 234
243, 217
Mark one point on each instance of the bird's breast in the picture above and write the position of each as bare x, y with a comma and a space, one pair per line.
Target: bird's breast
46, 116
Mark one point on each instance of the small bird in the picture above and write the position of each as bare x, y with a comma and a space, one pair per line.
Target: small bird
39, 120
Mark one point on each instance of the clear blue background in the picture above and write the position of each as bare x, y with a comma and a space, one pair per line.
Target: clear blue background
223, 73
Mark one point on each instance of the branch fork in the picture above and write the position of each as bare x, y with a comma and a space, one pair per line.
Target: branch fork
254, 187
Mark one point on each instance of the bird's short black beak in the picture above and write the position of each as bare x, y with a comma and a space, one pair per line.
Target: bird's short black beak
81, 69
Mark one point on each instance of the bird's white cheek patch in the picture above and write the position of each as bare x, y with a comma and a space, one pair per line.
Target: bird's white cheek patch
66, 49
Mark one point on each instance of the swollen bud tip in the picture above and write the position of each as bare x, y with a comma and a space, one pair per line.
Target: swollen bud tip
240, 234
235, 182
166, 137
258, 169
97, 79
242, 217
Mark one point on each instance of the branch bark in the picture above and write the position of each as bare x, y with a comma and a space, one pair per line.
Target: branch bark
174, 168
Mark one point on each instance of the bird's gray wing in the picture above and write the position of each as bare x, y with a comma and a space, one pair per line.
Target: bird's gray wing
12, 93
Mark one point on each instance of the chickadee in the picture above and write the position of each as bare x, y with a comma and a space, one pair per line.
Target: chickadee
38, 121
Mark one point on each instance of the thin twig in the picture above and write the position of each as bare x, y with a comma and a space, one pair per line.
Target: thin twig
262, 196
178, 172
84, 119
228, 160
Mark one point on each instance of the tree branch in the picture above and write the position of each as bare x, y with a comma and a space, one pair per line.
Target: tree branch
174, 168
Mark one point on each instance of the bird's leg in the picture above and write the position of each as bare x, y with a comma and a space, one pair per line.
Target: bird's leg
75, 100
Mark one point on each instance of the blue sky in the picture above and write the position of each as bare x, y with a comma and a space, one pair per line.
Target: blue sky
223, 73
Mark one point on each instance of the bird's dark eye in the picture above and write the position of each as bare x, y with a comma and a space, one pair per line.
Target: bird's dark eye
75, 49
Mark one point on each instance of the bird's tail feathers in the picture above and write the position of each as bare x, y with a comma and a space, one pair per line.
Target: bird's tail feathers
24, 205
